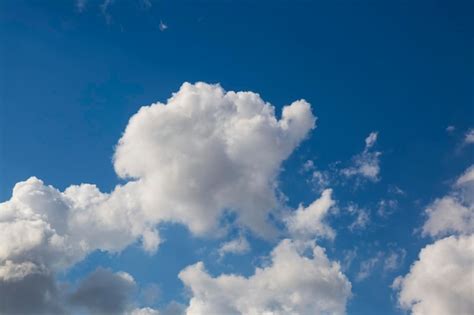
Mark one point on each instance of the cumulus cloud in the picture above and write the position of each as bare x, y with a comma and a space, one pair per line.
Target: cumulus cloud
441, 281
239, 245
190, 156
310, 221
469, 137
43, 228
104, 292
291, 284
453, 213
144, 311
365, 165
33, 291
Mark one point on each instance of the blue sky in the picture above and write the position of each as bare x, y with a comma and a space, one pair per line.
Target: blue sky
72, 76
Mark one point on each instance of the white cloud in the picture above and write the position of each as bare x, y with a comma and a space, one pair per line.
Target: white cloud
163, 27
453, 213
469, 137
310, 221
291, 284
104, 292
450, 129
236, 246
144, 311
370, 140
50, 229
366, 165
192, 155
441, 281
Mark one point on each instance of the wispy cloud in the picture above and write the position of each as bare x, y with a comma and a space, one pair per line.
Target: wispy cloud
365, 165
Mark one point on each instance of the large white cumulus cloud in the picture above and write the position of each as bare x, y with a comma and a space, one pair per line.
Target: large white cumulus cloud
292, 284
44, 227
453, 213
442, 280
207, 150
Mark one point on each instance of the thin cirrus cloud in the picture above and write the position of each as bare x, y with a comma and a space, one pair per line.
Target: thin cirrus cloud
441, 280
183, 160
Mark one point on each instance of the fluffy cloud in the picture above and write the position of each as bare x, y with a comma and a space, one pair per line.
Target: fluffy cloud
453, 213
144, 311
366, 165
469, 137
291, 284
236, 246
441, 281
33, 291
104, 292
191, 155
310, 221
41, 227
